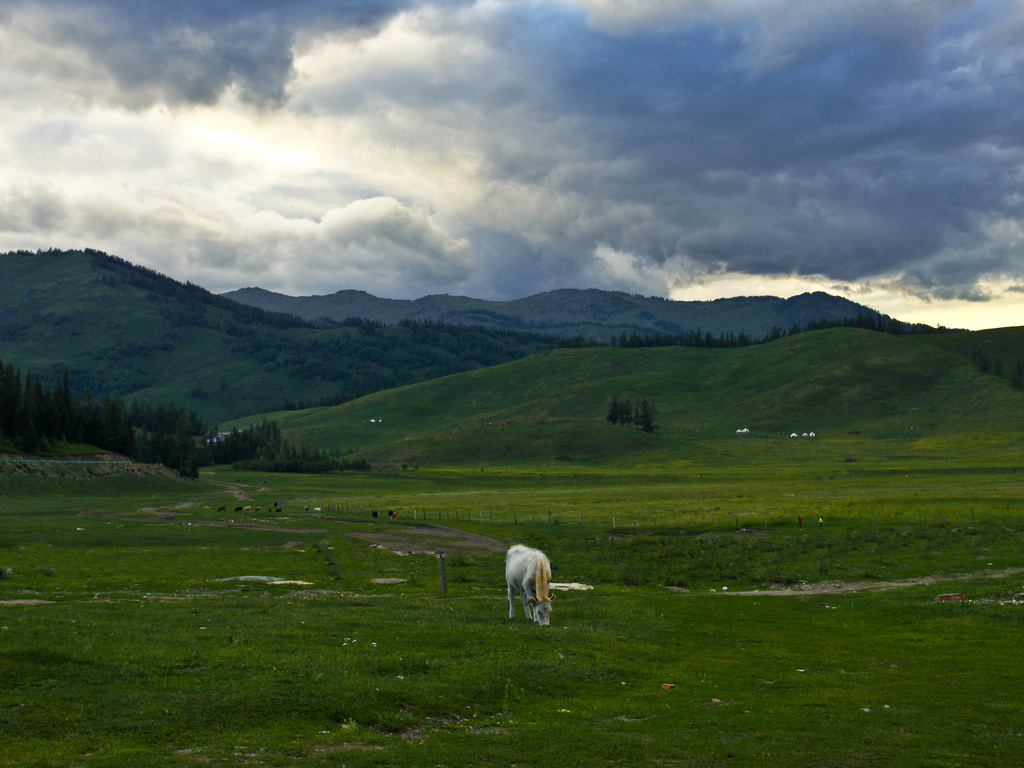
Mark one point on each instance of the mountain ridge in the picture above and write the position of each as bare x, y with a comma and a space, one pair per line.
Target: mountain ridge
112, 327
128, 331
571, 312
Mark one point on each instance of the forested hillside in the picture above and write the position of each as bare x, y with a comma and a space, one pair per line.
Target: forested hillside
98, 351
33, 417
36, 420
128, 331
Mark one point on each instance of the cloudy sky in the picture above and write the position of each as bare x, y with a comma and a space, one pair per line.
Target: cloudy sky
691, 149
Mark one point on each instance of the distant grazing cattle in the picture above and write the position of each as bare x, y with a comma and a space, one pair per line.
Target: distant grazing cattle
222, 509
528, 571
238, 509
375, 514
392, 514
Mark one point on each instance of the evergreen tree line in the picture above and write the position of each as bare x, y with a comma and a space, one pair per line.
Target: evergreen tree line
168, 435
193, 298
261, 447
34, 418
639, 415
373, 356
326, 401
989, 362
705, 339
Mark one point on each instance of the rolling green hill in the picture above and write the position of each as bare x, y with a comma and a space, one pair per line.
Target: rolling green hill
131, 332
849, 386
134, 333
568, 313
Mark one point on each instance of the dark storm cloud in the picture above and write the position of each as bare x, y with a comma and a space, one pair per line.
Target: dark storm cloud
862, 152
536, 145
168, 52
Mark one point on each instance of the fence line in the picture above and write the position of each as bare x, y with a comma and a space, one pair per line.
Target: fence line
672, 519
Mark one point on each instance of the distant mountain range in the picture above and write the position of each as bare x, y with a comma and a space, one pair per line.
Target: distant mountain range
129, 331
126, 330
568, 313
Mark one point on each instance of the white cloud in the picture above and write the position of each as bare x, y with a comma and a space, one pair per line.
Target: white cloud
252, 147
503, 148
31, 207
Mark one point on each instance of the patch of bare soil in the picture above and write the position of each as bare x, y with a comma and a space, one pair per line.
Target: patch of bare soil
155, 515
426, 539
838, 587
254, 526
405, 538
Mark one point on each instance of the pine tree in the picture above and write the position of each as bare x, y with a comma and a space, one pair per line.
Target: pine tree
647, 414
613, 410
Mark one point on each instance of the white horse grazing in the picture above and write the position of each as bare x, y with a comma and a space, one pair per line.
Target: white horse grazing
528, 571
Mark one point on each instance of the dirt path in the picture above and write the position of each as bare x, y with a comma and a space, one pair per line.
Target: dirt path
405, 538
255, 526
426, 539
154, 515
839, 587
450, 539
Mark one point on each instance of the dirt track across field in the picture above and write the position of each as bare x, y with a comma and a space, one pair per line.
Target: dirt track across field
409, 538
426, 539
838, 587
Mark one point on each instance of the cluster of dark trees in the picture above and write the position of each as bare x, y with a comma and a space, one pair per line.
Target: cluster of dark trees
323, 402
34, 418
989, 362
261, 447
372, 356
188, 302
168, 435
639, 415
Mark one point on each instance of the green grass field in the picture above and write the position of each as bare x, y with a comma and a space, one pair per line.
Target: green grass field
872, 398
717, 631
271, 620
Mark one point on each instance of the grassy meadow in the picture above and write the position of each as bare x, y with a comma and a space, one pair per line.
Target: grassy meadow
875, 397
270, 620
716, 632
